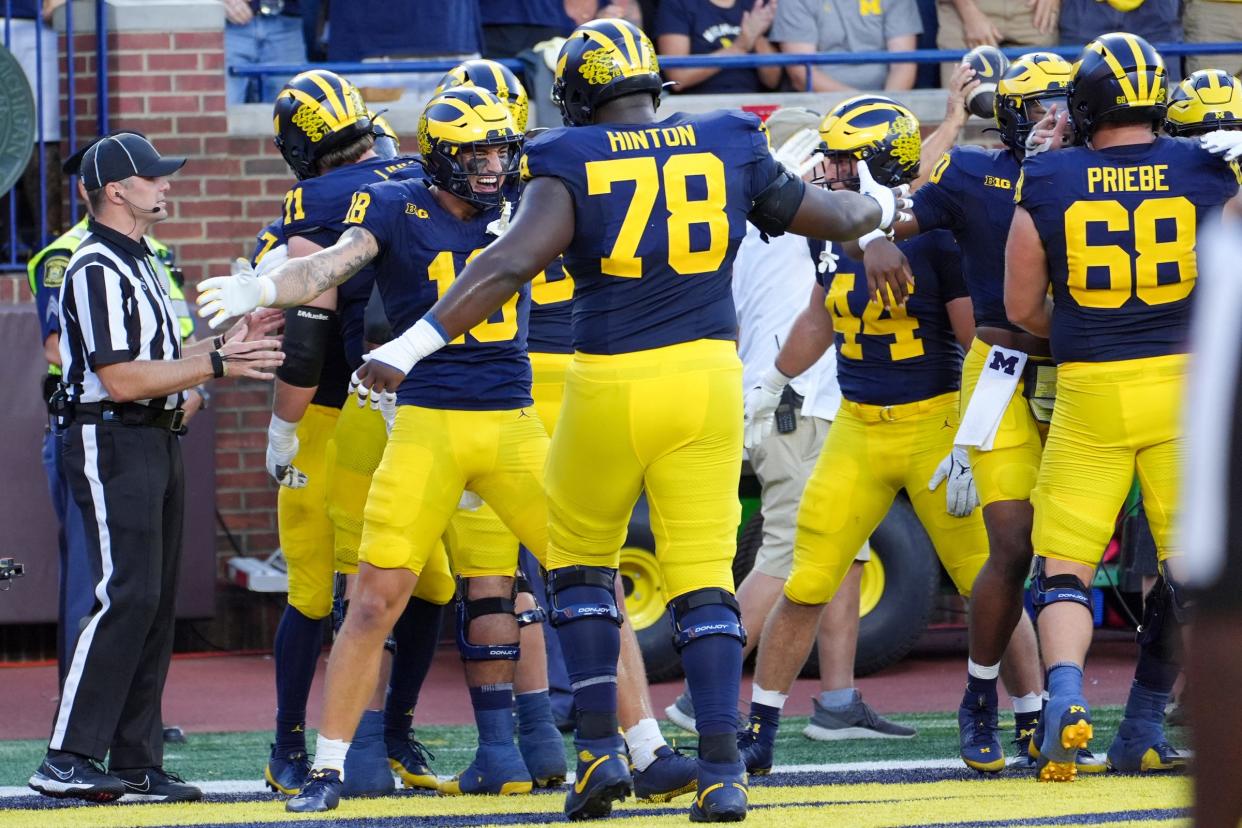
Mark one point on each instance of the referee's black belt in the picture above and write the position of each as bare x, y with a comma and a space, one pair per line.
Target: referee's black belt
130, 414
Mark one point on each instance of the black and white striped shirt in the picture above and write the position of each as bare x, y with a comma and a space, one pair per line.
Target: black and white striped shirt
113, 308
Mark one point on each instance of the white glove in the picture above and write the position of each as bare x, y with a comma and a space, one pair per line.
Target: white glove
225, 297
961, 498
761, 403
282, 447
469, 502
799, 154
1223, 142
891, 203
273, 259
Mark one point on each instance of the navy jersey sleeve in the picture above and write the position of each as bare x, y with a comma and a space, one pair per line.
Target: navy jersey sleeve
48, 279
375, 209
762, 168
936, 204
1036, 185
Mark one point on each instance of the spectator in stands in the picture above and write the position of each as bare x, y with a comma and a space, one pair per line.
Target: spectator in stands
965, 24
717, 27
510, 27
1213, 21
803, 26
1159, 21
381, 30
261, 31
581, 11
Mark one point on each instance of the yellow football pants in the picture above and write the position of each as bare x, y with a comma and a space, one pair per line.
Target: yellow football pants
431, 457
872, 452
548, 386
354, 453
1008, 471
302, 519
1112, 419
668, 420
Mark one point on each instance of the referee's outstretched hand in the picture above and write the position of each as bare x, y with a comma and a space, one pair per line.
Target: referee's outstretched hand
250, 357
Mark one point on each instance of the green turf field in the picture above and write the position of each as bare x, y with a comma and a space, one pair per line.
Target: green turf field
915, 782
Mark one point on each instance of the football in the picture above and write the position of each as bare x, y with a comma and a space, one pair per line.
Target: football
989, 64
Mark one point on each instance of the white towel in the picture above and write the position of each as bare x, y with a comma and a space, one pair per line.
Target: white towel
997, 383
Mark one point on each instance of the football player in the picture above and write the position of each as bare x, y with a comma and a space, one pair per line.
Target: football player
899, 368
326, 136
970, 192
464, 420
1206, 100
648, 213
660, 773
1112, 226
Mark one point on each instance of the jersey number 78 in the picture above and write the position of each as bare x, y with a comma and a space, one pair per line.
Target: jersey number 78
682, 212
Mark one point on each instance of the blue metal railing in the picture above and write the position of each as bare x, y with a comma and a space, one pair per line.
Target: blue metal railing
807, 60
17, 253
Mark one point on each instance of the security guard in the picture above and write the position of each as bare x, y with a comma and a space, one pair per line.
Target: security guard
45, 272
121, 409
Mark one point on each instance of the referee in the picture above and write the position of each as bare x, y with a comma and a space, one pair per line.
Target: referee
124, 378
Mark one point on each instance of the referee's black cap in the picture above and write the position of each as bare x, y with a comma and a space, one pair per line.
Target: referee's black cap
117, 157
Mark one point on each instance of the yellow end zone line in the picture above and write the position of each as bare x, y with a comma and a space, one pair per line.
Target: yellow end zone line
864, 805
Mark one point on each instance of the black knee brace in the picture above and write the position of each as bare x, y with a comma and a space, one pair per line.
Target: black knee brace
599, 579
726, 616
469, 609
1164, 613
1055, 589
536, 615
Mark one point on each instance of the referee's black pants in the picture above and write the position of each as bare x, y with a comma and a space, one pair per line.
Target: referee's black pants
128, 482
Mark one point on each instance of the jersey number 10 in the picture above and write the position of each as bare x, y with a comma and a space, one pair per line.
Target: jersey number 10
682, 212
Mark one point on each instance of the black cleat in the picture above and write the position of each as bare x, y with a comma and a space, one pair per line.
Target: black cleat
70, 775
322, 792
157, 785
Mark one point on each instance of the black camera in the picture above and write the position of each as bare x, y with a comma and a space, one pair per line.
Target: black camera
10, 569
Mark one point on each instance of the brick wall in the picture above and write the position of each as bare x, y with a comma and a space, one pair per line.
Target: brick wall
170, 86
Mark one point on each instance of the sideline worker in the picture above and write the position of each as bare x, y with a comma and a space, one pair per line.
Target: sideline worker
124, 378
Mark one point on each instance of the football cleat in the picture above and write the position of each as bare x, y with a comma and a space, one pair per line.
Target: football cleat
681, 713
1058, 752
669, 776
367, 771
602, 777
322, 792
756, 742
286, 774
408, 758
157, 785
722, 795
979, 733
497, 769
1084, 760
68, 775
1142, 750
543, 751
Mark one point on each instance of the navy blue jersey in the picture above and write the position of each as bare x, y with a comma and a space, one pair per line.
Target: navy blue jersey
422, 250
551, 311
890, 357
315, 209
970, 193
267, 240
1120, 227
659, 212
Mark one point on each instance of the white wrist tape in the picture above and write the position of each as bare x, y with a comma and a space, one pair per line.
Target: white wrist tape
773, 380
874, 235
402, 353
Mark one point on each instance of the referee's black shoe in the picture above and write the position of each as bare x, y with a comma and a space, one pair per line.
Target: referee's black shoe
156, 785
71, 775
320, 792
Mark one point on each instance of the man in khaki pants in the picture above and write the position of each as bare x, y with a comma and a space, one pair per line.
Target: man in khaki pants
1213, 21
965, 24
